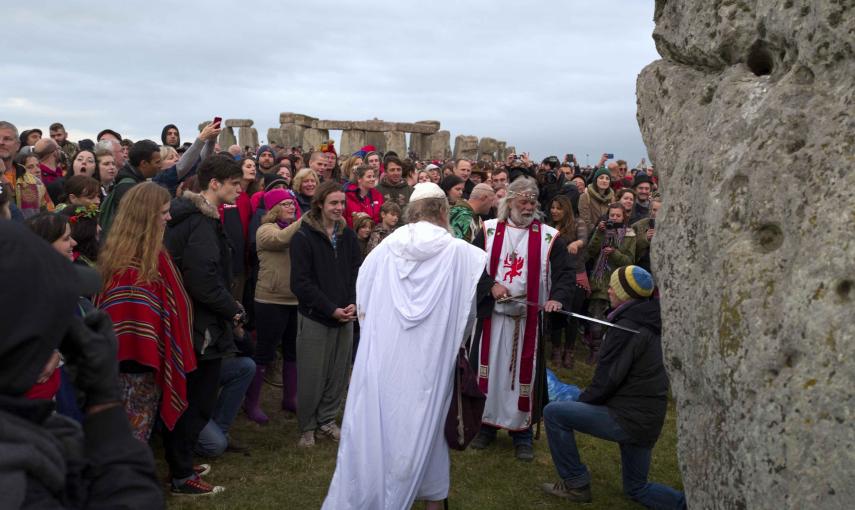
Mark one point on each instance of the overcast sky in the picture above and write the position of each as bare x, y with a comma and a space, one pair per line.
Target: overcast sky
549, 77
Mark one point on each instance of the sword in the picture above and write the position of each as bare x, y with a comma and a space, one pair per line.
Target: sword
571, 314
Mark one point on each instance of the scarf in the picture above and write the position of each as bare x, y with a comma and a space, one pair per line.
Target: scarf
613, 238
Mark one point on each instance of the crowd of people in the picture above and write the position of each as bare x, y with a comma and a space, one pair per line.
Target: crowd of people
220, 265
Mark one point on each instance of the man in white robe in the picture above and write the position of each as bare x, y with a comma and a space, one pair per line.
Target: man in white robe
527, 260
415, 298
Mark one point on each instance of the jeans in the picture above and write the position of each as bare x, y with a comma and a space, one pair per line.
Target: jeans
565, 417
519, 437
235, 376
179, 442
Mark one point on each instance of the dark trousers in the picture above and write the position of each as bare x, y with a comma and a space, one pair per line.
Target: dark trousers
202, 388
275, 325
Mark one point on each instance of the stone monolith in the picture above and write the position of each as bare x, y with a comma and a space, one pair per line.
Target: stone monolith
749, 119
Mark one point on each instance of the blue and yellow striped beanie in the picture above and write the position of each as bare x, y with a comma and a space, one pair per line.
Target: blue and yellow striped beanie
631, 282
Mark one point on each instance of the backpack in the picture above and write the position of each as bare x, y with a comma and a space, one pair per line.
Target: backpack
108, 207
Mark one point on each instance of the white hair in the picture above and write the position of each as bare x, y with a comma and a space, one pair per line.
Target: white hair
520, 186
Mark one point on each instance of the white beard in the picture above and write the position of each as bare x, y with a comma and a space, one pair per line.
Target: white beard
521, 221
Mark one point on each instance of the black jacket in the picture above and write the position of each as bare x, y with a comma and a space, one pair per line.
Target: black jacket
127, 172
195, 239
322, 277
630, 378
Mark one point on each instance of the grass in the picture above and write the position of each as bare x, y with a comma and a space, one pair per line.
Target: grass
278, 475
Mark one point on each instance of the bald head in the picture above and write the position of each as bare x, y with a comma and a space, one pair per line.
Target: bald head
45, 148
482, 198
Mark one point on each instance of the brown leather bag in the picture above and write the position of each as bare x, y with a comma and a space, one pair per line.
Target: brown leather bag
467, 405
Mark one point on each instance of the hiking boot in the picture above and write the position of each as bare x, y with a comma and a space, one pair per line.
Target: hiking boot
331, 430
524, 452
560, 489
307, 439
482, 441
196, 487
236, 446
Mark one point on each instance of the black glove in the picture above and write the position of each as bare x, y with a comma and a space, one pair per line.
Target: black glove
89, 348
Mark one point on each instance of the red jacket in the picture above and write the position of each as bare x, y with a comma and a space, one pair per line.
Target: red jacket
369, 204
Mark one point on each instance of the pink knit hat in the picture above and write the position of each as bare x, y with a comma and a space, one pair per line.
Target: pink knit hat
273, 197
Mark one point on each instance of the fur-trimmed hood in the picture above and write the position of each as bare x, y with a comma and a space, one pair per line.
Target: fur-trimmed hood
315, 223
189, 204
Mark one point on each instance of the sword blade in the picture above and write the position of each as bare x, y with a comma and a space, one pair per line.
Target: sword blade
571, 314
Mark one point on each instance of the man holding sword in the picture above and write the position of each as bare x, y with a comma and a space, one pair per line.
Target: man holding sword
528, 261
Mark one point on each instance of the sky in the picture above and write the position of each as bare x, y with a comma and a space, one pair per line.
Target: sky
548, 77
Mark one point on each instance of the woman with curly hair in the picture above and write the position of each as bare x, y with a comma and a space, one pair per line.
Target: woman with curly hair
151, 311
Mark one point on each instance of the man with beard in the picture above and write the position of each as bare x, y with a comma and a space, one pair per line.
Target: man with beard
60, 136
528, 261
170, 136
266, 158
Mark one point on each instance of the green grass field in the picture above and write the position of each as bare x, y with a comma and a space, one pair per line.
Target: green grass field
277, 475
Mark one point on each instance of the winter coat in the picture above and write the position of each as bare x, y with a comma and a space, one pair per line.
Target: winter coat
323, 273
304, 202
464, 223
201, 251
623, 255
273, 245
642, 245
356, 203
630, 379
593, 205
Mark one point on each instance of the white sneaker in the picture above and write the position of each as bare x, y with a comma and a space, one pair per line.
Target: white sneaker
307, 439
331, 430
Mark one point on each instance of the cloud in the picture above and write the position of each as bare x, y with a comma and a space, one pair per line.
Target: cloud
547, 77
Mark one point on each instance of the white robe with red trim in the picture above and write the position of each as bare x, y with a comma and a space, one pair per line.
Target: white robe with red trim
504, 387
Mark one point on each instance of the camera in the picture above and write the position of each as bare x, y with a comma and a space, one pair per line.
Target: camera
243, 318
652, 223
611, 225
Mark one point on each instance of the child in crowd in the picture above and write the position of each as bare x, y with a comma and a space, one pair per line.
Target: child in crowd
363, 226
390, 212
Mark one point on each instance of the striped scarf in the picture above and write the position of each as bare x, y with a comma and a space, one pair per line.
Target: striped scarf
153, 325
613, 238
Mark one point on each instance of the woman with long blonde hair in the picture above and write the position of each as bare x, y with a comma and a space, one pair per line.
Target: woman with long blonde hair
151, 312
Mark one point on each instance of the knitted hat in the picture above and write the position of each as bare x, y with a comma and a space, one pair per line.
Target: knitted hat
265, 148
631, 282
641, 177
274, 197
426, 190
602, 171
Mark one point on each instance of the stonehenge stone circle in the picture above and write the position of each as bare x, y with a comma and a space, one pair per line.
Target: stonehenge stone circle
749, 119
465, 147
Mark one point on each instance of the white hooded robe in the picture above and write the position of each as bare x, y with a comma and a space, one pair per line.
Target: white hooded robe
414, 295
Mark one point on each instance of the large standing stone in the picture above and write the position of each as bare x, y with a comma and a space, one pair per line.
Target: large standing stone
438, 145
487, 148
297, 118
247, 136
351, 141
465, 147
418, 145
292, 135
749, 122
396, 141
274, 136
313, 138
377, 139
227, 138
501, 150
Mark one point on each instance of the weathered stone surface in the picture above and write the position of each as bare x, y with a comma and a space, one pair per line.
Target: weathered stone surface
341, 125
274, 136
749, 122
415, 127
313, 138
417, 145
373, 125
377, 139
352, 140
292, 135
239, 123
508, 151
296, 118
397, 142
501, 150
465, 147
226, 138
434, 123
247, 136
203, 124
487, 149
438, 145
377, 125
